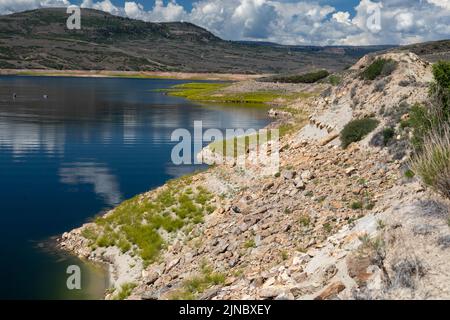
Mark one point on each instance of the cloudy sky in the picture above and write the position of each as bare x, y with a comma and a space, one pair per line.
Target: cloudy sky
317, 22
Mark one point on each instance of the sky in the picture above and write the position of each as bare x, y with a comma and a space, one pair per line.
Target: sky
293, 22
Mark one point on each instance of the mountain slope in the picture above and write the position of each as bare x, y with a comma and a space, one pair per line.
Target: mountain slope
39, 39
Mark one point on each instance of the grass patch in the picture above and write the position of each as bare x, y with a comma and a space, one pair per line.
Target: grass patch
356, 205
356, 130
125, 291
197, 285
213, 92
250, 244
432, 164
409, 174
305, 221
135, 224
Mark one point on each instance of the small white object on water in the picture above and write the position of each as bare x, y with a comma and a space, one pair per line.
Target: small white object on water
45, 96
14, 96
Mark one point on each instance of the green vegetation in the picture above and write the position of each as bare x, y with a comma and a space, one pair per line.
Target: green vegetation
334, 80
432, 133
213, 92
310, 77
433, 162
328, 227
380, 67
409, 174
197, 285
356, 205
250, 244
356, 130
134, 225
125, 291
388, 134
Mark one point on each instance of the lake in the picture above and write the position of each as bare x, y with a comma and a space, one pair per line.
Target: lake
87, 146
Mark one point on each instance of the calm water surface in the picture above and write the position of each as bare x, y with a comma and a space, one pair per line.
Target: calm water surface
90, 145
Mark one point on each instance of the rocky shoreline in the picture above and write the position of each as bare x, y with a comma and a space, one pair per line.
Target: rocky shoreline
333, 223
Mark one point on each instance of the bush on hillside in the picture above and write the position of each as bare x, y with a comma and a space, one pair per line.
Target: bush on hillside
311, 77
440, 89
432, 164
356, 130
380, 67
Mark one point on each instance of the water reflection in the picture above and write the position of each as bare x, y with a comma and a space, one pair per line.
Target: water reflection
98, 175
24, 137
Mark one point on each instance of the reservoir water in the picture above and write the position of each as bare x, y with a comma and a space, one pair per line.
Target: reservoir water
85, 147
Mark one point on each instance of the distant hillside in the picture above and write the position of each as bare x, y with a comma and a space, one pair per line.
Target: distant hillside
39, 39
431, 51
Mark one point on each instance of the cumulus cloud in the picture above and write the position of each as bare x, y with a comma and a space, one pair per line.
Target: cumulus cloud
288, 21
11, 6
105, 5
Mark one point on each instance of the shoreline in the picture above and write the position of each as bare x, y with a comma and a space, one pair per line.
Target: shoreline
131, 74
334, 222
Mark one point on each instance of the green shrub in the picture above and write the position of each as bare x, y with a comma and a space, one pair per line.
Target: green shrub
422, 120
440, 89
356, 130
334, 80
125, 291
388, 134
357, 205
198, 284
409, 174
380, 67
311, 77
432, 164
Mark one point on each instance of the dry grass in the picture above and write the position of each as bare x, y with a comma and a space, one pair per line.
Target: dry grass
432, 164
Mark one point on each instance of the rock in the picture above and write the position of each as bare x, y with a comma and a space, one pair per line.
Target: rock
285, 296
210, 293
444, 242
289, 174
236, 209
330, 272
268, 186
150, 296
299, 184
331, 291
423, 229
357, 267
307, 176
222, 247
271, 292
150, 276
172, 264
349, 171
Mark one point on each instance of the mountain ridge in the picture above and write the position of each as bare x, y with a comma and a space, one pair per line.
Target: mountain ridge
108, 42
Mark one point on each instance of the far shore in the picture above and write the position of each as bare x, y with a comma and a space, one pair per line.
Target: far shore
132, 74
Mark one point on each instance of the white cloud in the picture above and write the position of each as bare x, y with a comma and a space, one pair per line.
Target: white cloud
288, 21
441, 3
11, 6
105, 5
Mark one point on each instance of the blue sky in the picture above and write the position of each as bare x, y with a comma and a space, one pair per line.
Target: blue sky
342, 5
301, 22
